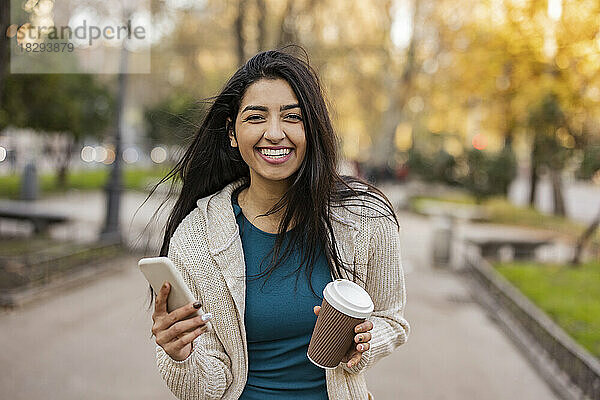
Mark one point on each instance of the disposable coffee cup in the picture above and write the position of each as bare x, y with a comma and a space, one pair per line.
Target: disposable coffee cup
345, 305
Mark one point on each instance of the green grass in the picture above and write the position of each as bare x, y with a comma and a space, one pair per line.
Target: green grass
133, 179
570, 296
457, 198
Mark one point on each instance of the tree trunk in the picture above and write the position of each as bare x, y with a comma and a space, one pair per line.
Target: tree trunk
398, 93
533, 179
4, 43
63, 165
286, 35
557, 193
239, 32
261, 24
583, 239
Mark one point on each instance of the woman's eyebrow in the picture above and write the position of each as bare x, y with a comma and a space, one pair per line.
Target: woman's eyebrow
263, 108
256, 108
289, 106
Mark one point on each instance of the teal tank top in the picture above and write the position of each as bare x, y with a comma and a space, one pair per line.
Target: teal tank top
279, 320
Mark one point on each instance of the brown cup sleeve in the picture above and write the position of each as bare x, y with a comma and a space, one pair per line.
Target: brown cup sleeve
332, 337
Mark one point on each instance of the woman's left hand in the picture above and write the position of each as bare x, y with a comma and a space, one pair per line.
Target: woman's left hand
362, 339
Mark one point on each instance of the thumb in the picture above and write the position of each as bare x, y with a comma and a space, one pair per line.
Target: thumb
316, 309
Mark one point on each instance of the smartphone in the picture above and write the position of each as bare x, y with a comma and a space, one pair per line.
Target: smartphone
157, 270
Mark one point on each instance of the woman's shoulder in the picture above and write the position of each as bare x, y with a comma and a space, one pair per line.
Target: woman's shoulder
192, 225
362, 199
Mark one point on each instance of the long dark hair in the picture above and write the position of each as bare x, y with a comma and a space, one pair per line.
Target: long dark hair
210, 163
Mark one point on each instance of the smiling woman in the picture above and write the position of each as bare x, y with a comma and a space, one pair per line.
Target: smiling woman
260, 184
270, 136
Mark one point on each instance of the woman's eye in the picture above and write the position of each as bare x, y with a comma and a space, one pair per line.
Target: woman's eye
294, 116
253, 117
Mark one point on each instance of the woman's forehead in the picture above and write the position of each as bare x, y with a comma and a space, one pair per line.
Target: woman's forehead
269, 92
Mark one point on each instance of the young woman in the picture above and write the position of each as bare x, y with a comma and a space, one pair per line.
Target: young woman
262, 223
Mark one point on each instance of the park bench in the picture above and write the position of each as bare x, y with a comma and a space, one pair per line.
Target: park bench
522, 248
24, 211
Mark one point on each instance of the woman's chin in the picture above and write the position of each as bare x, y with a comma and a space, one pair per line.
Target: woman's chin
280, 176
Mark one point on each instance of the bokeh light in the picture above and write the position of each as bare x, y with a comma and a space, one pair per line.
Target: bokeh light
101, 154
130, 155
479, 141
158, 155
88, 153
110, 156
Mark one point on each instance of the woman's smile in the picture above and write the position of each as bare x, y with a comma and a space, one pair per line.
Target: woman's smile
275, 157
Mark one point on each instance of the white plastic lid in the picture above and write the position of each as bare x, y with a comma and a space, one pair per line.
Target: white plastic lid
349, 298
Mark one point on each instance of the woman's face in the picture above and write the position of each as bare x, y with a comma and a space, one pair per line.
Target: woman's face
269, 130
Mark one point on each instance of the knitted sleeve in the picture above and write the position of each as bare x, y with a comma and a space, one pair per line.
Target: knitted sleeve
206, 373
385, 284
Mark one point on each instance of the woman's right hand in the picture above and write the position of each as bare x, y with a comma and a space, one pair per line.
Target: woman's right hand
172, 332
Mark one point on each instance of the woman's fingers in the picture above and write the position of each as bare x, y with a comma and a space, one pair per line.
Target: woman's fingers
181, 328
179, 343
355, 353
362, 347
160, 307
362, 337
165, 321
316, 310
354, 359
363, 327
174, 331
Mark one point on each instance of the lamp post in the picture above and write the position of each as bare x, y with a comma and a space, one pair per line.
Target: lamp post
113, 189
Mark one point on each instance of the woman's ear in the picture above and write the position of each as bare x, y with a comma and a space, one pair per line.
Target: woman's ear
231, 132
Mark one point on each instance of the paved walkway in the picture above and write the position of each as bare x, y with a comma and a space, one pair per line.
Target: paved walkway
93, 342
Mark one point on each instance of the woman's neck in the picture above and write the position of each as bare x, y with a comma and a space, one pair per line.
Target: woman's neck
260, 197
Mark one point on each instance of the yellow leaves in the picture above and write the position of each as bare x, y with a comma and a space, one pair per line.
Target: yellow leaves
370, 64
453, 146
208, 61
583, 48
588, 66
436, 123
403, 137
351, 131
381, 102
438, 100
562, 61
564, 138
593, 93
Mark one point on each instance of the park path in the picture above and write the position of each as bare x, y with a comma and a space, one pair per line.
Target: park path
93, 341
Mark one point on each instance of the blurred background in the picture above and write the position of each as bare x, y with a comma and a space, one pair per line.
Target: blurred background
478, 120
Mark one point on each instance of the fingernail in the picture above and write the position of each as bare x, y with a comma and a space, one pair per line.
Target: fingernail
361, 347
197, 305
207, 317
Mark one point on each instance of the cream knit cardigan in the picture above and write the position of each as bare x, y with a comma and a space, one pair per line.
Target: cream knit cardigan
207, 249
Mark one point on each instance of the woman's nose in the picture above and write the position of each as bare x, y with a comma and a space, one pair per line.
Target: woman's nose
274, 131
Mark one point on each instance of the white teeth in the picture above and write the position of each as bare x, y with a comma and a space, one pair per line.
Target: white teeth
280, 152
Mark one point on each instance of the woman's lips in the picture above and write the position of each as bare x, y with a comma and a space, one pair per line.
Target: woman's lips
275, 160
